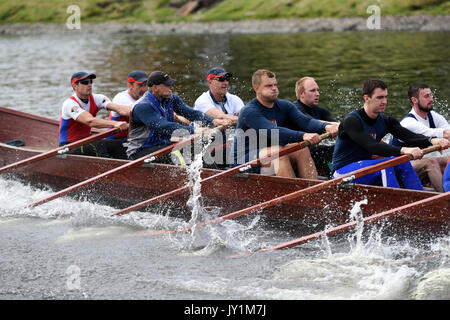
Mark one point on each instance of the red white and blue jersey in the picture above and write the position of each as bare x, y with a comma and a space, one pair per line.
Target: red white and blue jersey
71, 130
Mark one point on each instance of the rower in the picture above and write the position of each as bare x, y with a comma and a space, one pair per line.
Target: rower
152, 121
136, 87
263, 127
360, 137
218, 103
422, 119
78, 116
307, 92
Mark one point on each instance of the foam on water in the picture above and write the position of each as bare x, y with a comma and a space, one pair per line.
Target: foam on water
80, 214
367, 266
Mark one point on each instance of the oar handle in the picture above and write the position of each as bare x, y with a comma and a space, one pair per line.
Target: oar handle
431, 149
287, 150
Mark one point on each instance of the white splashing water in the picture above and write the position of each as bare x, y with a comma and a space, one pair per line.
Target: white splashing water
371, 269
210, 239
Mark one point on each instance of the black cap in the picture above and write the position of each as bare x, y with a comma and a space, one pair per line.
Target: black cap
81, 75
159, 77
216, 73
137, 76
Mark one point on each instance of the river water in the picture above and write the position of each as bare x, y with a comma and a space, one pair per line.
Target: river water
72, 249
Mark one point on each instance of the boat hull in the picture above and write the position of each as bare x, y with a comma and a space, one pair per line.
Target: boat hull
228, 194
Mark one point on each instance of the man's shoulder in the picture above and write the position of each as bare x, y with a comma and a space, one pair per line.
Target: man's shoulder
285, 104
123, 97
70, 100
233, 97
202, 99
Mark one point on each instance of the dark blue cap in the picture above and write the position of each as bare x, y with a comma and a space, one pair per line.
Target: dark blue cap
81, 75
137, 76
217, 72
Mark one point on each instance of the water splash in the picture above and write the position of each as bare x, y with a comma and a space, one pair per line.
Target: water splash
356, 214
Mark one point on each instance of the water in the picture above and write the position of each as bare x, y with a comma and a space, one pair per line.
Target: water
73, 249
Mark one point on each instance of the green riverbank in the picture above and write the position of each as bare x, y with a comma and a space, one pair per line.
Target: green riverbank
133, 11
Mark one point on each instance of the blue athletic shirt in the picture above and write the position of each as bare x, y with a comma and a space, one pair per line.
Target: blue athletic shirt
359, 138
282, 115
152, 121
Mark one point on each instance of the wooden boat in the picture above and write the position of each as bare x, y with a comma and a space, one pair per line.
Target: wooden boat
231, 193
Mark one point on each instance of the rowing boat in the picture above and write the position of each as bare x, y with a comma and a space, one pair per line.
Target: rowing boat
228, 194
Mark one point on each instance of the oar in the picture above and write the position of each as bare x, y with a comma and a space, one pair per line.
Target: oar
345, 178
351, 225
59, 150
147, 158
247, 165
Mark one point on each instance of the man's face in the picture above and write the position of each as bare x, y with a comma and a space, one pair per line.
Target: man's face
377, 102
219, 85
310, 95
425, 101
83, 88
136, 89
162, 91
267, 89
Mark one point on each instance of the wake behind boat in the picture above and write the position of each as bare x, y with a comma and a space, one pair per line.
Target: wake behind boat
230, 193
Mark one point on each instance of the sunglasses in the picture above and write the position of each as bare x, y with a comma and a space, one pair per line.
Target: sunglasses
222, 79
85, 81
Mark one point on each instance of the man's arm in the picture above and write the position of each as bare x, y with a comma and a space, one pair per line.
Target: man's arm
253, 118
120, 109
410, 137
93, 122
325, 115
219, 114
352, 129
309, 124
152, 119
184, 110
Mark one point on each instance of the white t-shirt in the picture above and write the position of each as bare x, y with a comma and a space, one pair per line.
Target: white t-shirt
122, 98
72, 110
422, 126
233, 104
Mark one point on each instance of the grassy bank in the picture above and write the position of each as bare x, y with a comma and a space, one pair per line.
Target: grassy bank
30, 11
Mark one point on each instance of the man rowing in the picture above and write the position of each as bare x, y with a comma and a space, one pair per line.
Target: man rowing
263, 127
308, 94
360, 137
217, 102
423, 120
152, 120
136, 87
78, 116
